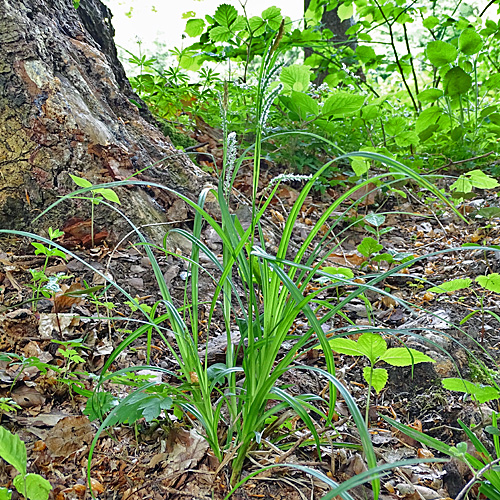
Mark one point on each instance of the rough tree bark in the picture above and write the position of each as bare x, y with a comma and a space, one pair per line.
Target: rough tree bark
64, 108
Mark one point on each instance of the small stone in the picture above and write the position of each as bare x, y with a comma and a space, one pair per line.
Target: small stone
137, 283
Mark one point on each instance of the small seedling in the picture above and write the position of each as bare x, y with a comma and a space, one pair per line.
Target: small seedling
30, 486
374, 347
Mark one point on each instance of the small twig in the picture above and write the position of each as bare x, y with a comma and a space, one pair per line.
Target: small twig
477, 477
459, 162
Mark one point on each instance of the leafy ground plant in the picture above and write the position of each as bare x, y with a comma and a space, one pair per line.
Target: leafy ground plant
30, 486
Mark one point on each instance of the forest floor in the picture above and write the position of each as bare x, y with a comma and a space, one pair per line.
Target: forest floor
170, 459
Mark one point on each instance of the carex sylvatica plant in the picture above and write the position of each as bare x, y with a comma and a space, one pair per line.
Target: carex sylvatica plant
260, 294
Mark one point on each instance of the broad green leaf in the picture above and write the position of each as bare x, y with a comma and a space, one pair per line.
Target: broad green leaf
395, 125
430, 22
481, 180
109, 194
428, 117
490, 282
406, 139
296, 77
343, 103
456, 81
220, 34
368, 247
225, 15
462, 185
383, 257
257, 25
451, 286
372, 345
79, 181
429, 95
37, 488
470, 42
13, 450
379, 377
375, 219
345, 346
493, 82
402, 356
440, 53
5, 494
480, 393
360, 166
195, 27
273, 17
302, 104
345, 11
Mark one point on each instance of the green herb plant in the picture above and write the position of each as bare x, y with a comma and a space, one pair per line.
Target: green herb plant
30, 486
374, 347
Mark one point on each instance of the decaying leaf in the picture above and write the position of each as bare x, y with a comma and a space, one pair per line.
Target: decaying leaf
69, 435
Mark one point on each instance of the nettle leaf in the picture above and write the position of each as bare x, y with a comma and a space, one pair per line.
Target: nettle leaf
37, 488
451, 286
296, 77
479, 393
345, 11
379, 377
342, 103
369, 246
456, 82
481, 180
345, 346
372, 345
225, 15
195, 27
109, 194
429, 95
79, 181
470, 42
440, 53
13, 450
402, 356
303, 105
490, 282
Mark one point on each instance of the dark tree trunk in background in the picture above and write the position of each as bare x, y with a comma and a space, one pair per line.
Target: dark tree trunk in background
331, 21
64, 108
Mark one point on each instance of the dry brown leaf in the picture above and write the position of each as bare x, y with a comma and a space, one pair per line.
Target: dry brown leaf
347, 259
27, 396
369, 192
69, 435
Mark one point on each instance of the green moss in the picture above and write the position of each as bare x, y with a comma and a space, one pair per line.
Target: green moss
179, 139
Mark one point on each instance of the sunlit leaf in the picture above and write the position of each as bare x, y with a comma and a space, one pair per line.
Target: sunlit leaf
378, 376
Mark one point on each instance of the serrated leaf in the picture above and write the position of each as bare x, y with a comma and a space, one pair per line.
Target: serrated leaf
225, 15
451, 286
342, 103
372, 345
296, 77
369, 246
37, 488
344, 346
480, 393
379, 377
402, 356
109, 194
490, 282
481, 180
273, 17
195, 27
440, 53
456, 82
345, 11
79, 181
220, 34
470, 42
305, 106
257, 25
13, 450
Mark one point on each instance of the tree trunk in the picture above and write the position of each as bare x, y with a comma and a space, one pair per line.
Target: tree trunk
64, 108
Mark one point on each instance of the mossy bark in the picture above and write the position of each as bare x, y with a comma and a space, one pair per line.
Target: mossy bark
65, 108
